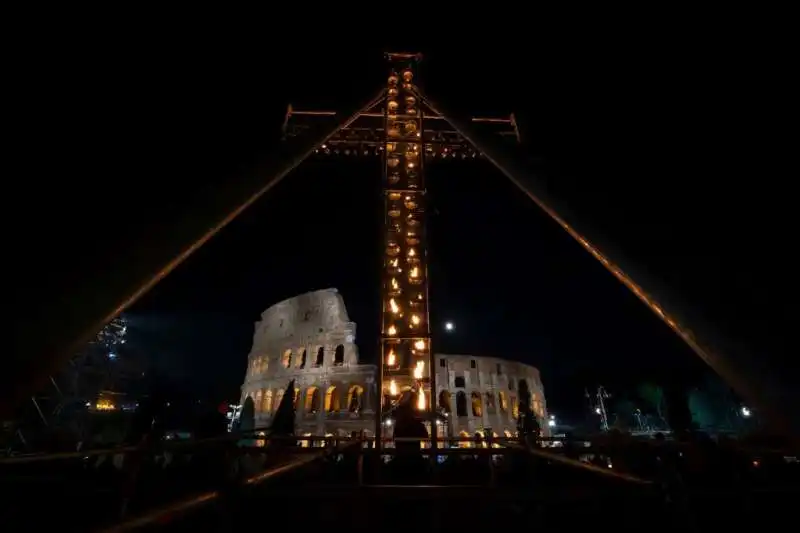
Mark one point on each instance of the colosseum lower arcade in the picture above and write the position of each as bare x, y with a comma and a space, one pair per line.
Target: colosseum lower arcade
310, 339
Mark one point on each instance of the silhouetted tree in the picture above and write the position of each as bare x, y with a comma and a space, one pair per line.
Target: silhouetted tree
527, 425
283, 421
247, 420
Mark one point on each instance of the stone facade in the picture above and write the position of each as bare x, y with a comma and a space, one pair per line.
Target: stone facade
481, 393
309, 338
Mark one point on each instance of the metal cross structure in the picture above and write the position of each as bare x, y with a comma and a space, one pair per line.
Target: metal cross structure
404, 132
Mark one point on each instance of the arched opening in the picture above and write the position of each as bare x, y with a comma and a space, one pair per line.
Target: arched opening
296, 398
354, 398
286, 360
258, 401
312, 400
278, 397
477, 408
503, 401
332, 404
514, 407
494, 437
266, 406
306, 442
301, 361
508, 434
490, 406
464, 443
444, 401
320, 356
461, 404
338, 356
511, 384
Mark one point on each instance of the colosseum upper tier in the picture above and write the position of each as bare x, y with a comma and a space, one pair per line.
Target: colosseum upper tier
311, 340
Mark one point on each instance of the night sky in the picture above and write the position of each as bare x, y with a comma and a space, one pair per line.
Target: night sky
654, 147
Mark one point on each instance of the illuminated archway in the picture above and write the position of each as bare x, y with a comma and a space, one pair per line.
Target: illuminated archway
286, 360
477, 407
354, 398
503, 401
266, 405
332, 401
312, 400
278, 397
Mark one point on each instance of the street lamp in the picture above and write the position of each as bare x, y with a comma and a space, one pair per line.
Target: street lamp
746, 412
449, 326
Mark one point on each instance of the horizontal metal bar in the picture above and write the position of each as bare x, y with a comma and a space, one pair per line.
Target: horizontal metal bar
425, 116
589, 468
190, 503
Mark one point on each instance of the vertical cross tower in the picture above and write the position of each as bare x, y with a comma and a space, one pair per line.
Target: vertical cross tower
406, 355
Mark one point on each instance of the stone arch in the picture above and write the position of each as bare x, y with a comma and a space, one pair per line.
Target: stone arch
355, 398
278, 397
257, 401
338, 355
490, 403
301, 361
503, 401
461, 404
320, 359
286, 359
332, 399
477, 404
511, 385
266, 405
444, 401
514, 407
311, 404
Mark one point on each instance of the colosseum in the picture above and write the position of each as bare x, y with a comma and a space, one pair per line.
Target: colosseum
311, 340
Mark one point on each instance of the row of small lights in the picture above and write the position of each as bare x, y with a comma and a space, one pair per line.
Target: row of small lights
415, 273
449, 154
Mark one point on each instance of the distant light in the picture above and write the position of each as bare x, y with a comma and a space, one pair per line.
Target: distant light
449, 326
597, 410
551, 423
112, 355
745, 412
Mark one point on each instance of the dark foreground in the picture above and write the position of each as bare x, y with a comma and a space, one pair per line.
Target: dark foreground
353, 492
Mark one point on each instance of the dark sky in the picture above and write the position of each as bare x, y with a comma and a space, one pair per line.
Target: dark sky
662, 149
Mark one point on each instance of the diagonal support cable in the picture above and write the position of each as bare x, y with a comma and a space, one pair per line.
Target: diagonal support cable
178, 242
741, 379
